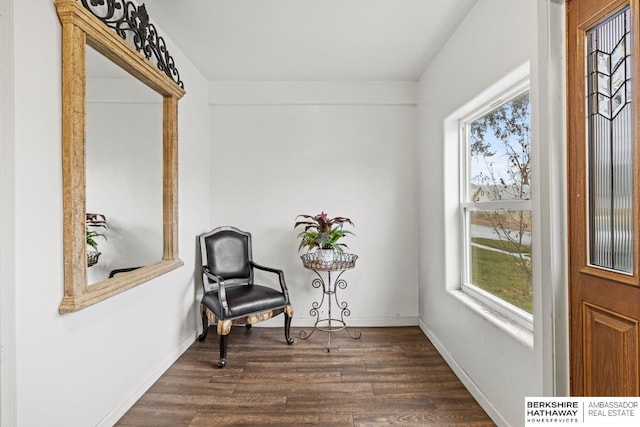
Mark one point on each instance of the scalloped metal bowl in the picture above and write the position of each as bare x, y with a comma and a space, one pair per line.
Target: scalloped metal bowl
92, 258
341, 261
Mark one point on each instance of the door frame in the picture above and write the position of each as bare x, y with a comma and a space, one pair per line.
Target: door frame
551, 130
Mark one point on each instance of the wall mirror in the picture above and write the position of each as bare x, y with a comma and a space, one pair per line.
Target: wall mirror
119, 153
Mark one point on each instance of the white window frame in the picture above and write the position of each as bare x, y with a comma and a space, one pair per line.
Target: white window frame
496, 304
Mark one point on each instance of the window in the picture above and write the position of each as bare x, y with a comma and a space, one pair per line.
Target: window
495, 204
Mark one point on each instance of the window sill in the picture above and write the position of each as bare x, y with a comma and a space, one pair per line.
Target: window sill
516, 331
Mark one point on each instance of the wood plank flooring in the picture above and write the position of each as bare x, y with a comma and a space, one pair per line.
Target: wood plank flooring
389, 376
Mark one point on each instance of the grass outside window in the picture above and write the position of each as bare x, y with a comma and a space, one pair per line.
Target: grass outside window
498, 274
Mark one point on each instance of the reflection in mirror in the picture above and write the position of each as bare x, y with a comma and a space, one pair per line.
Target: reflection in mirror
123, 149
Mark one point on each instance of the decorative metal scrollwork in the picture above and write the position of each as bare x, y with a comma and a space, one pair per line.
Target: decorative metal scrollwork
131, 22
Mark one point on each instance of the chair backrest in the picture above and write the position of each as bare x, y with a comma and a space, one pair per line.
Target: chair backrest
226, 251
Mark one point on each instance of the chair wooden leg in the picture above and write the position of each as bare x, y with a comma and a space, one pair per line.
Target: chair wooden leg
224, 328
223, 351
205, 325
288, 314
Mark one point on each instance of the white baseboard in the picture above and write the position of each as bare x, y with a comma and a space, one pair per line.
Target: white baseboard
112, 417
359, 322
473, 388
363, 322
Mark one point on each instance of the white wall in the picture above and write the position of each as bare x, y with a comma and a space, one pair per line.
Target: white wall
7, 219
499, 365
283, 149
87, 368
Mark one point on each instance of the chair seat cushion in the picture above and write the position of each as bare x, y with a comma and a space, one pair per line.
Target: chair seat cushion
244, 300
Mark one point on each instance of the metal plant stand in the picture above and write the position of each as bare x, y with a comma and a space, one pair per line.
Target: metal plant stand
329, 287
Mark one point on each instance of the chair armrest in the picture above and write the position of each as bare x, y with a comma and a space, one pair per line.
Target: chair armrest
217, 279
269, 269
222, 294
122, 270
280, 273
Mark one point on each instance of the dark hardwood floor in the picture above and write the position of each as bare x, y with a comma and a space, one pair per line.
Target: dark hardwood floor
389, 376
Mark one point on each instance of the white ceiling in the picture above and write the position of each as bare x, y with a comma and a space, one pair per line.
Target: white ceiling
308, 40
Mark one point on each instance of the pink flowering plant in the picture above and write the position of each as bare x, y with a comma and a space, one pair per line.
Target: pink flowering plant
322, 232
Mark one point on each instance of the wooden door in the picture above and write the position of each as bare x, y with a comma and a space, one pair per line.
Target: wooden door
604, 196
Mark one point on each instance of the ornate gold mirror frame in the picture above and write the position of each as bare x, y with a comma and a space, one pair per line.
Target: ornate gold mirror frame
80, 28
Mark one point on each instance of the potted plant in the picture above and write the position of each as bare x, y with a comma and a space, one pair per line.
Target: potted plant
323, 234
93, 222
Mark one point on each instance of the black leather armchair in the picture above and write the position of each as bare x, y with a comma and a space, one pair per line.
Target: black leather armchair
230, 294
